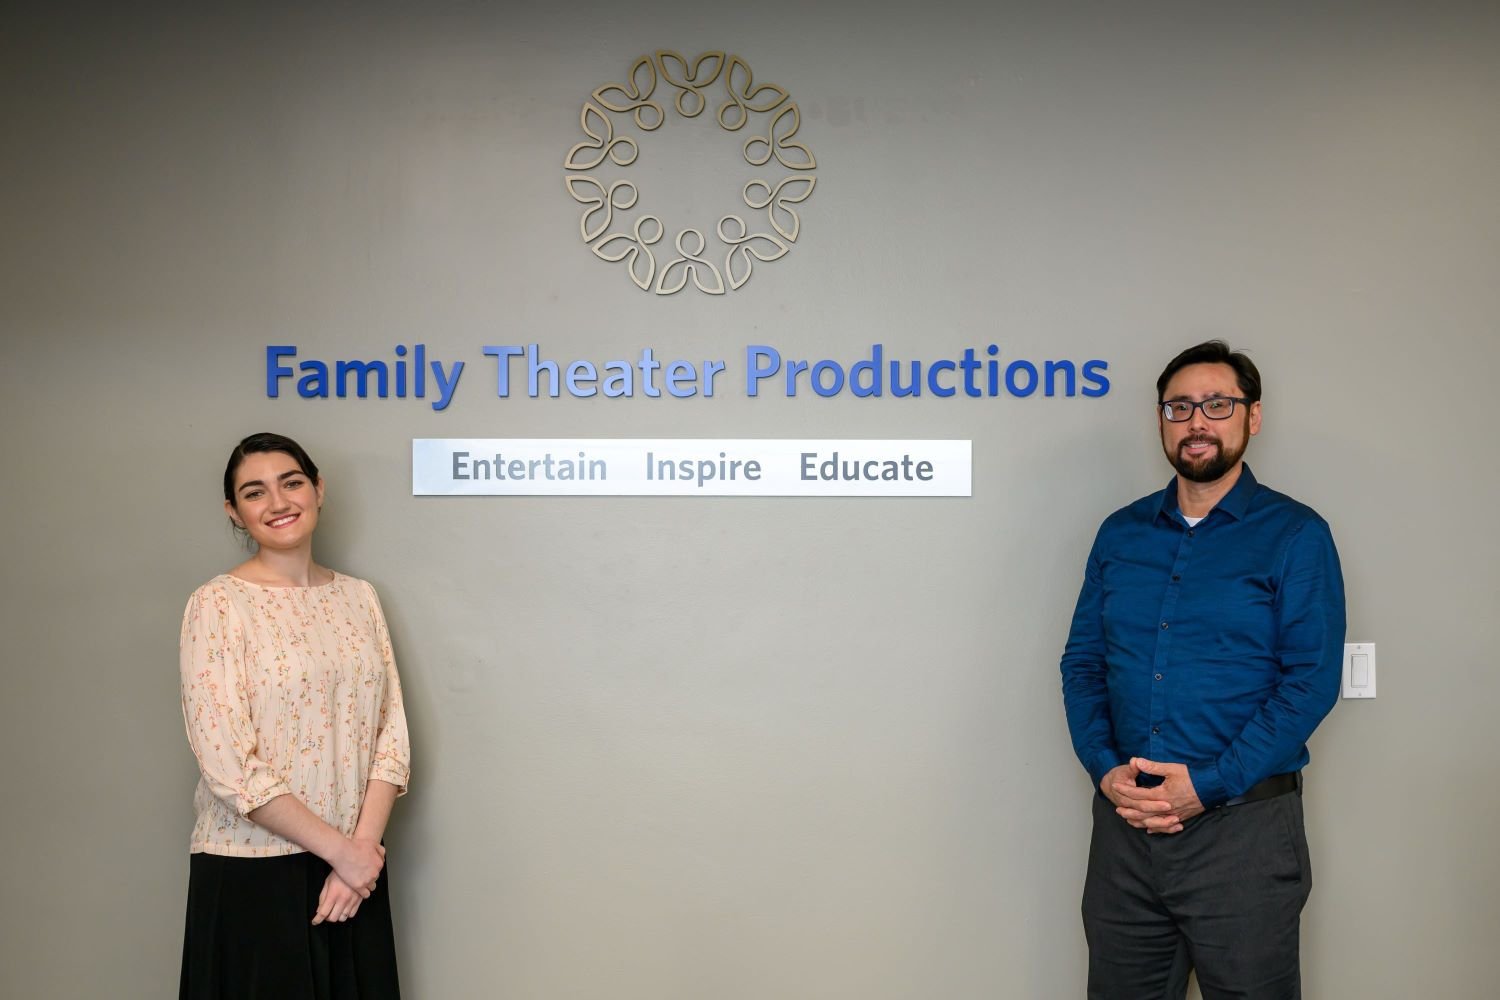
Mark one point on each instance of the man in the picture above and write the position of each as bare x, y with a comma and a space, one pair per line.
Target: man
1205, 648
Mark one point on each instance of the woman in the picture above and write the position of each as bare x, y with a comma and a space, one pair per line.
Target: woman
293, 709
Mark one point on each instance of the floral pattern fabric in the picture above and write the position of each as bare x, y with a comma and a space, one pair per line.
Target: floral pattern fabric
287, 691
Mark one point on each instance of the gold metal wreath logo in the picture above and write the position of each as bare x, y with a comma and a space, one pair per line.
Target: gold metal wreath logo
772, 139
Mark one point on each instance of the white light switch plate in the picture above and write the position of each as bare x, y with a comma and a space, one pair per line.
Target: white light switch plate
1359, 670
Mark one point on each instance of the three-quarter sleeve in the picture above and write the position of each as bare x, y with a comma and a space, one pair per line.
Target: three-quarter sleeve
391, 760
216, 705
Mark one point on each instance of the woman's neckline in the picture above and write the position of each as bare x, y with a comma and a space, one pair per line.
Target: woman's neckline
285, 586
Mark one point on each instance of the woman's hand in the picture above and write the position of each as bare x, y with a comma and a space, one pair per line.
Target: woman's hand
358, 864
337, 902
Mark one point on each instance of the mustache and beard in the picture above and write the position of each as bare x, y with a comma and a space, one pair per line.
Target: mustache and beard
1209, 467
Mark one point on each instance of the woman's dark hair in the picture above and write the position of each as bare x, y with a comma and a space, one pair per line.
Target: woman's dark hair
263, 442
1214, 352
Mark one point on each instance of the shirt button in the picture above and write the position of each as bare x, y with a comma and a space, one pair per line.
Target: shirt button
1163, 624
1176, 577
1158, 676
1155, 731
1190, 532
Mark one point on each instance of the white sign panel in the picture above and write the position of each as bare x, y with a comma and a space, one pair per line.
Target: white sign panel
689, 467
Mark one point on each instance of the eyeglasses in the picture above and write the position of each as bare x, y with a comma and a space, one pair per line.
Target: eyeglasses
1215, 408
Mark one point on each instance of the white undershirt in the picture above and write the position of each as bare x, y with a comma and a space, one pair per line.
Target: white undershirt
1192, 521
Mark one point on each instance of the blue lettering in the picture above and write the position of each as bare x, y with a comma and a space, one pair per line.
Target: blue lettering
817, 380
649, 365
362, 369
1066, 367
970, 365
447, 384
579, 374
760, 362
793, 369
871, 367
710, 369
914, 388
315, 383
1031, 379
938, 389
1093, 371
677, 373
534, 369
275, 371
618, 379
502, 356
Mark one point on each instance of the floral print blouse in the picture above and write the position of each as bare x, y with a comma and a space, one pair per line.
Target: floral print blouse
287, 690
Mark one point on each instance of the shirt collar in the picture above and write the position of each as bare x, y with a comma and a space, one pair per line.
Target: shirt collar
1234, 503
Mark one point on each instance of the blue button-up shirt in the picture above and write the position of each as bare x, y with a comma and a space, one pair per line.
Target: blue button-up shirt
1217, 646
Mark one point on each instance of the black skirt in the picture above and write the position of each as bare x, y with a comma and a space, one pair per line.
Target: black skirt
250, 935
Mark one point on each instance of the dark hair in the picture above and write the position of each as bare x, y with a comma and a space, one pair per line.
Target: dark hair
1214, 352
264, 442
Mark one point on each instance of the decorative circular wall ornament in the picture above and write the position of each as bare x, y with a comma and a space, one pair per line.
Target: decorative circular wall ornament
774, 120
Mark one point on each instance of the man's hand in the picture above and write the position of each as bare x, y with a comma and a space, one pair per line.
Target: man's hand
1122, 775
337, 902
1162, 809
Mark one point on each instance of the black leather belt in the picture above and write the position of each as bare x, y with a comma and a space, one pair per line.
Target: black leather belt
1276, 784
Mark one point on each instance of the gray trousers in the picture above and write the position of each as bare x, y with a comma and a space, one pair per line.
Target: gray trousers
1224, 897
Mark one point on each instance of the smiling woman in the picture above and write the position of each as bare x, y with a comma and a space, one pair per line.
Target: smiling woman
268, 494
293, 708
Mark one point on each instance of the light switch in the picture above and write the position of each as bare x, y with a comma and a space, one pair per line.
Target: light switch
1359, 670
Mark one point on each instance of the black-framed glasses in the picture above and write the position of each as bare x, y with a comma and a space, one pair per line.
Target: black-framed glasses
1214, 408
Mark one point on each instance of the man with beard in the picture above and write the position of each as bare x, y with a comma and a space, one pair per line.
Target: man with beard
1205, 648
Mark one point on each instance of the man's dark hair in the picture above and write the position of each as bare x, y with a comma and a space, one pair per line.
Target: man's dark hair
1214, 352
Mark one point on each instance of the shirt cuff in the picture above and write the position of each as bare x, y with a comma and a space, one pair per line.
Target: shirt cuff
392, 772
1208, 784
1102, 763
258, 790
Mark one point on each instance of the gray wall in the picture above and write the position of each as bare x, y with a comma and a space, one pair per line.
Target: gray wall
742, 748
